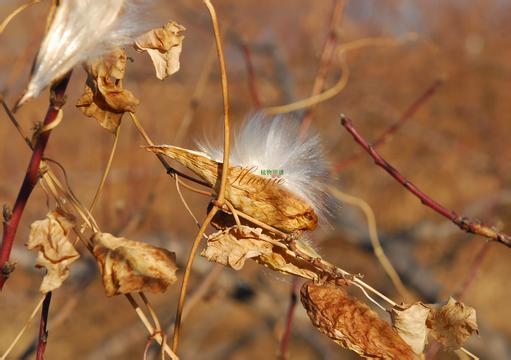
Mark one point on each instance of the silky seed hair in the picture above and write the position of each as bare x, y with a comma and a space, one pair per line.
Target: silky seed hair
83, 30
276, 144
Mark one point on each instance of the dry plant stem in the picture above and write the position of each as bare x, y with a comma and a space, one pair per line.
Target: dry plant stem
387, 135
57, 99
343, 80
43, 331
225, 168
13, 14
24, 328
464, 223
107, 169
225, 96
185, 203
170, 170
149, 327
326, 57
186, 278
16, 124
315, 99
375, 241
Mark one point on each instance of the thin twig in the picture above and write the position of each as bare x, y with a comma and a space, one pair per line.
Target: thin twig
107, 169
375, 241
13, 14
387, 135
43, 331
464, 223
186, 277
327, 55
24, 328
170, 170
11, 224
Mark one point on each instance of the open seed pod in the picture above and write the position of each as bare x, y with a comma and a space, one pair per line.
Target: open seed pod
264, 199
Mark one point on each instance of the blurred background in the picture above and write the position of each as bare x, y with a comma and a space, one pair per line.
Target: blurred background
455, 147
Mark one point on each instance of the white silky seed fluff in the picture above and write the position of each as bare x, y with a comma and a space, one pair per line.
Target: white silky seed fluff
82, 30
277, 144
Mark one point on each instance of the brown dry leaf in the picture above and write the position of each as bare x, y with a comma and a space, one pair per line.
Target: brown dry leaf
410, 323
234, 245
352, 324
55, 251
453, 323
249, 193
164, 46
104, 96
130, 266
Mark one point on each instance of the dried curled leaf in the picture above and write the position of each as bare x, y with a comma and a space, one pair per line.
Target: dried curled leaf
352, 324
164, 46
104, 96
233, 246
410, 323
453, 323
55, 251
130, 266
259, 197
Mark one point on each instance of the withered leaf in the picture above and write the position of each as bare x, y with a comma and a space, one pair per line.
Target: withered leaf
352, 324
131, 266
453, 323
410, 323
164, 46
234, 245
104, 96
55, 252
264, 199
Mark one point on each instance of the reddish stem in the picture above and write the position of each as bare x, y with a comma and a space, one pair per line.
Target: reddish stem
293, 300
252, 83
43, 331
464, 223
327, 55
391, 130
11, 221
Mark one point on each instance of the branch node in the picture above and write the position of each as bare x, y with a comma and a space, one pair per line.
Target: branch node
8, 268
7, 213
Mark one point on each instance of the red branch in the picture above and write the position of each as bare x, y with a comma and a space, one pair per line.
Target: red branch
12, 220
252, 83
391, 130
43, 325
464, 223
293, 300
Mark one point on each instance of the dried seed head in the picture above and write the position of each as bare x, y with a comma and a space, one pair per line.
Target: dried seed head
81, 30
252, 194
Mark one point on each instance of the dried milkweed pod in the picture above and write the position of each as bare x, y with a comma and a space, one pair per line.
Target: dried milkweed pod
276, 176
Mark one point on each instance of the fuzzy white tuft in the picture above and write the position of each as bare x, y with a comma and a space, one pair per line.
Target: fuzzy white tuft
276, 144
82, 30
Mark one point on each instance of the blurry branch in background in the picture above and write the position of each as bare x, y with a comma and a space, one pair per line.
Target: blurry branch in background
343, 80
13, 14
327, 55
375, 241
387, 135
198, 92
464, 223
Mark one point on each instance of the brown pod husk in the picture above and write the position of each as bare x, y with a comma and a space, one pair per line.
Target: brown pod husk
352, 324
261, 198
